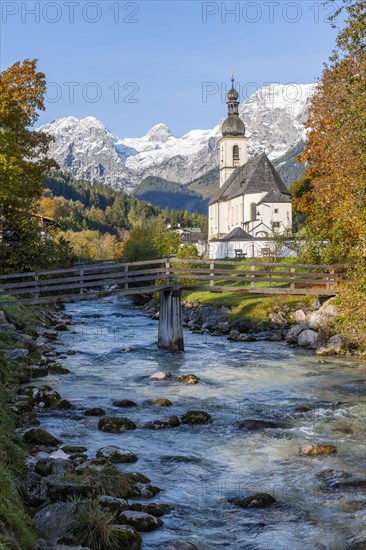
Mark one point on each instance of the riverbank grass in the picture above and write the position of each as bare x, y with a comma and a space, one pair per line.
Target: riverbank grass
16, 532
248, 306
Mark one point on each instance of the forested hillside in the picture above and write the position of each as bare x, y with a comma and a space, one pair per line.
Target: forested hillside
79, 205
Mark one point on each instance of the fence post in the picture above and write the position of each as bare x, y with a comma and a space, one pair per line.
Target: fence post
126, 276
212, 273
331, 283
36, 293
292, 285
81, 275
168, 272
252, 283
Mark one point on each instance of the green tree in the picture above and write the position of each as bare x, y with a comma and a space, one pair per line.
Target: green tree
150, 241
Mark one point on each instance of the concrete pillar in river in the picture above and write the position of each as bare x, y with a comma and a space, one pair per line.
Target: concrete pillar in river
170, 321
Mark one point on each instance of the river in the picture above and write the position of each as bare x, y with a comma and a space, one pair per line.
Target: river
321, 504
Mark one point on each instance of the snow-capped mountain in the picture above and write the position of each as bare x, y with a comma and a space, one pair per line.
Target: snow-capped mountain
273, 117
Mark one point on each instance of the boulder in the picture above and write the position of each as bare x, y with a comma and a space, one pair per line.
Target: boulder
242, 326
294, 332
143, 490
160, 402
112, 504
64, 404
124, 403
161, 375
53, 466
114, 424
55, 368
127, 537
171, 422
334, 346
259, 500
116, 455
55, 522
189, 378
314, 450
308, 338
72, 449
94, 411
38, 436
299, 316
140, 520
156, 509
196, 417
36, 371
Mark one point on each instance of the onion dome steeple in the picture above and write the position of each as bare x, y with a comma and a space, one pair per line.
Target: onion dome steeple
233, 125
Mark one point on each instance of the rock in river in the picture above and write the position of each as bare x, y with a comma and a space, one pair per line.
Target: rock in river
196, 417
188, 378
160, 402
124, 403
140, 520
38, 436
313, 450
94, 411
114, 424
161, 375
116, 455
259, 500
253, 424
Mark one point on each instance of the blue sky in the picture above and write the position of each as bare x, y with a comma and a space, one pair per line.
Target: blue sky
135, 64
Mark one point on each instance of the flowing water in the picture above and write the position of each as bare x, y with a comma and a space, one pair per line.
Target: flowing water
321, 502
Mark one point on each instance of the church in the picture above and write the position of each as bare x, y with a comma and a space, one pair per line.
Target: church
252, 204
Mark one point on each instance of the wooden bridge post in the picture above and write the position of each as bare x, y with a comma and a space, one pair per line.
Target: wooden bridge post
170, 335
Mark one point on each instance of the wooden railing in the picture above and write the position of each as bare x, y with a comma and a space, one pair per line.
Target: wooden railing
85, 282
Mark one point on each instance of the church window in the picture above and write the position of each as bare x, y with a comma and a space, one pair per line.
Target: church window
253, 211
276, 210
276, 225
236, 157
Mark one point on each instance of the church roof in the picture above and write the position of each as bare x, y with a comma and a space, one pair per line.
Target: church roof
233, 126
275, 196
237, 234
258, 175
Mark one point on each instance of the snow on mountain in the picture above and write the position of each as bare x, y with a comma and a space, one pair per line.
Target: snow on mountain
273, 117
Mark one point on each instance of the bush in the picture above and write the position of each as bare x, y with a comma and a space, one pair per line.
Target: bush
94, 528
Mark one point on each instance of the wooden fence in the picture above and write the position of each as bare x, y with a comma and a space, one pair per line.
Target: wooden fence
86, 282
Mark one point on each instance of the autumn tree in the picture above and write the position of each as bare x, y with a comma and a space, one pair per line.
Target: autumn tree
23, 152
335, 154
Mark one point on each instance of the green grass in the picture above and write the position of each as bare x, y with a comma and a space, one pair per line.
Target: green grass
13, 517
248, 306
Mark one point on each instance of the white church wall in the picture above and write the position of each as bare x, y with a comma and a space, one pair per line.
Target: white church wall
227, 165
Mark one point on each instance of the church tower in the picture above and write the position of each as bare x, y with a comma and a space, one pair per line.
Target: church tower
233, 144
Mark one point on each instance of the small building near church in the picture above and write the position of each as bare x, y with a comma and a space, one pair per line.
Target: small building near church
252, 204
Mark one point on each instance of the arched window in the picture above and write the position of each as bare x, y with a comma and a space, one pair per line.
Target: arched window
236, 157
253, 211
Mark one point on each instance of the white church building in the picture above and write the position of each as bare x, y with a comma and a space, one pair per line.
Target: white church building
252, 204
